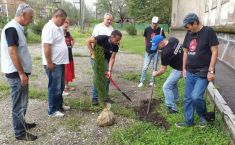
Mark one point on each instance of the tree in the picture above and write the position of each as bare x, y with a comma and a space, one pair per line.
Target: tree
144, 10
118, 8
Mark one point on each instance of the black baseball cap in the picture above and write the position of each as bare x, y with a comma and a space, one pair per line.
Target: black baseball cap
191, 17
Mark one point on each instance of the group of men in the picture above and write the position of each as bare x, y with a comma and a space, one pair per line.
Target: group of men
195, 60
196, 63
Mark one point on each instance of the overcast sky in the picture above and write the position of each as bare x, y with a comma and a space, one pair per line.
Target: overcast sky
89, 3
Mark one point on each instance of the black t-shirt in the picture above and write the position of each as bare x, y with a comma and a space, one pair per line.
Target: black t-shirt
68, 41
172, 54
149, 33
199, 48
109, 48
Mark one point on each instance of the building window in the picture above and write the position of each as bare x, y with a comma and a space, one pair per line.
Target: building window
214, 4
224, 1
206, 6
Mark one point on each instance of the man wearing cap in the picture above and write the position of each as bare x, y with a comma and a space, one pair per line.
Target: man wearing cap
199, 59
150, 54
172, 55
16, 64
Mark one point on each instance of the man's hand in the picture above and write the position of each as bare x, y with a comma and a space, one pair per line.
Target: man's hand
154, 74
184, 73
108, 74
24, 79
50, 66
210, 76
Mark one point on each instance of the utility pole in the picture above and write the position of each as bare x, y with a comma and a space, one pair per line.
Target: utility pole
6, 9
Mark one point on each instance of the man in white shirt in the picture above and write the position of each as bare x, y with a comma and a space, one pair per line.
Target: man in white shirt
104, 28
55, 56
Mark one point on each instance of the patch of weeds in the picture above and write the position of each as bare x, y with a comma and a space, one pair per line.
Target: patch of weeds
72, 123
131, 76
82, 104
4, 90
35, 93
123, 111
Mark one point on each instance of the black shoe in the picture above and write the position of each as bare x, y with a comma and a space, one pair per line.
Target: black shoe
109, 101
95, 102
172, 111
30, 125
27, 137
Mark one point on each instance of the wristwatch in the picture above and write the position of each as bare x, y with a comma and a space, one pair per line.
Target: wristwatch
211, 71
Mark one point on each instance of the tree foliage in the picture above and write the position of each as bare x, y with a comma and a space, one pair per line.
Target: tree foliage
144, 10
99, 74
118, 8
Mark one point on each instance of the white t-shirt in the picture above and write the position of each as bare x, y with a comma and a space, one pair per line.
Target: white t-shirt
52, 34
101, 29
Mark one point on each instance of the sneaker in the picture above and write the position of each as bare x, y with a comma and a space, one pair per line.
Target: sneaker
65, 93
172, 111
27, 137
30, 125
57, 114
95, 102
180, 124
151, 84
202, 123
65, 108
140, 85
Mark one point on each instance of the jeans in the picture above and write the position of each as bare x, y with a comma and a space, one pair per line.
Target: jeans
147, 60
193, 100
19, 96
170, 89
94, 89
56, 84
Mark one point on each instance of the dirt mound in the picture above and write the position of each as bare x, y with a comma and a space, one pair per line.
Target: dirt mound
153, 116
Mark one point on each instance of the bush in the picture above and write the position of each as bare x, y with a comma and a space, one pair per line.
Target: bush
36, 27
131, 30
3, 21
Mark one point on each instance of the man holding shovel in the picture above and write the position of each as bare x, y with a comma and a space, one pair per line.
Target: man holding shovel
110, 46
171, 55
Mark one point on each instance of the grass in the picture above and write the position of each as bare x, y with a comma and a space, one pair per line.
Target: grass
72, 123
133, 44
37, 93
33, 38
4, 90
146, 133
80, 38
82, 104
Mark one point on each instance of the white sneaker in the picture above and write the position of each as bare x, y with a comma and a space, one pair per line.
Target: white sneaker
151, 84
140, 85
65, 93
65, 108
57, 114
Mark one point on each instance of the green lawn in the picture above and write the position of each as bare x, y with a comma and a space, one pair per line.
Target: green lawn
145, 133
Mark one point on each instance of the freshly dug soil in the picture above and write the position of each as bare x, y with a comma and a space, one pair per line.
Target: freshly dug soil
153, 116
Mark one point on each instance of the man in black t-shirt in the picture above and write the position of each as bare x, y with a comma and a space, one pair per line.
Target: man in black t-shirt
199, 59
172, 55
110, 44
150, 54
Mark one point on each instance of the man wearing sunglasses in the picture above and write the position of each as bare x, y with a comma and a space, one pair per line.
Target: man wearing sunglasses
199, 59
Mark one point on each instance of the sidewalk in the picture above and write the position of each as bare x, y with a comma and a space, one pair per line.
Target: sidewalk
225, 83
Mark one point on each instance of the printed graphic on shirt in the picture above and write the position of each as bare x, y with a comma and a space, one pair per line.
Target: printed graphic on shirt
192, 47
178, 49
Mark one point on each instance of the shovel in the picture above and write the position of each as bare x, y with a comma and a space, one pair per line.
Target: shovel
151, 96
117, 87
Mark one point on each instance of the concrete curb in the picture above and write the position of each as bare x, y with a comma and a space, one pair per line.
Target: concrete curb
224, 109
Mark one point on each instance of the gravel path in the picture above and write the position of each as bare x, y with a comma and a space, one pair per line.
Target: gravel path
53, 130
